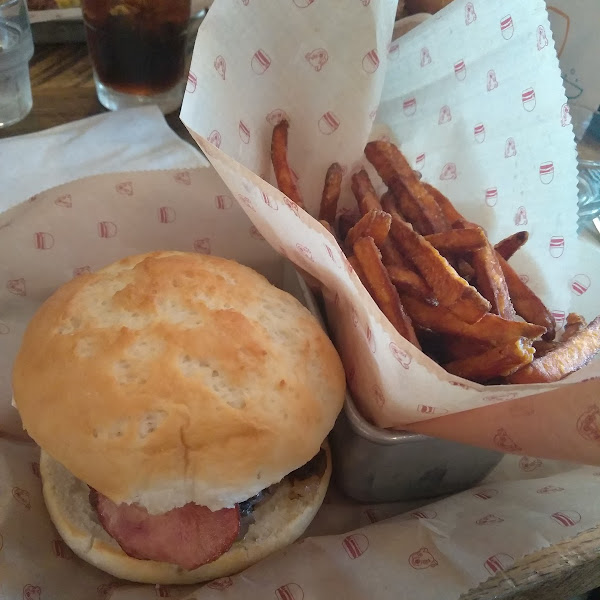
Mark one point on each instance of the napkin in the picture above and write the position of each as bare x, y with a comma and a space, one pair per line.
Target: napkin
127, 140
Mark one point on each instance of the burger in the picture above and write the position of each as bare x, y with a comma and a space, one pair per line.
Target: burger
181, 403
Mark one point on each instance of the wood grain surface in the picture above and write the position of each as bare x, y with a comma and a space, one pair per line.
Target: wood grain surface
559, 572
63, 91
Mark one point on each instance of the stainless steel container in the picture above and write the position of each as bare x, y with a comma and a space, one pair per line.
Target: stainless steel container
377, 465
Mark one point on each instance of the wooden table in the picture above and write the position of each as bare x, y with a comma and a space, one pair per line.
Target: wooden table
63, 91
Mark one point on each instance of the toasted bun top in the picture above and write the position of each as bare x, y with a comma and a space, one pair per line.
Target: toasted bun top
171, 377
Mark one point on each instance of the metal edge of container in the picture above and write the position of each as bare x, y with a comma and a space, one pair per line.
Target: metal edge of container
375, 465
294, 283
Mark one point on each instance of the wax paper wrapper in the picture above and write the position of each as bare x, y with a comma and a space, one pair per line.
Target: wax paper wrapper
475, 100
350, 551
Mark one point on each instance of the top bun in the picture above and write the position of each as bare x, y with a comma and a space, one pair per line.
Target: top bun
169, 377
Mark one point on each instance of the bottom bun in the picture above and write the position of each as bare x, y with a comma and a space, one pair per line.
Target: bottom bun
278, 521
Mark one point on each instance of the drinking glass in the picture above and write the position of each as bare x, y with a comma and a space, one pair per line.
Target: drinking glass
16, 50
586, 126
138, 51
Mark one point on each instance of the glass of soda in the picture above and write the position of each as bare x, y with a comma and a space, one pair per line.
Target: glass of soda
16, 49
138, 51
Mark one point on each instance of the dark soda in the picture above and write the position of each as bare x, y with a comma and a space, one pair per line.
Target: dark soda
137, 46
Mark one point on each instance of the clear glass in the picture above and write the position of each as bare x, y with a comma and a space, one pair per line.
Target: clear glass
586, 127
16, 50
138, 51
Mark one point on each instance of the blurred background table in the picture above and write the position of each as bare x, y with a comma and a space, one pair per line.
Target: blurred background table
63, 91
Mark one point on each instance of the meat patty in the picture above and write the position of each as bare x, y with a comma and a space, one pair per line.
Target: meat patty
190, 536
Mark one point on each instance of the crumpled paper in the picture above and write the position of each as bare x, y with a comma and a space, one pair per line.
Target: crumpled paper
475, 100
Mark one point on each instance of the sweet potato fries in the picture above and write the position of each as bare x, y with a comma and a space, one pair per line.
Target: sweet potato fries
439, 280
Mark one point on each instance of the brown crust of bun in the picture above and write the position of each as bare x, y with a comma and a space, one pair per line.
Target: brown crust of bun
279, 521
173, 377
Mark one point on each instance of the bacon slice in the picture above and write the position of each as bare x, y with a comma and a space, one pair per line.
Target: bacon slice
190, 536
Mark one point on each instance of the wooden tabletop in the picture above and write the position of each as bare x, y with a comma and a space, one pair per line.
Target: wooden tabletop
63, 91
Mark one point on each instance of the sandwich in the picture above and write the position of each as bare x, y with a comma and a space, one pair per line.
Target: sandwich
182, 405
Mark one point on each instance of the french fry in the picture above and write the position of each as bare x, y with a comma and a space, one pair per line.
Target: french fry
331, 194
490, 281
400, 270
457, 347
283, 172
444, 348
488, 274
346, 221
492, 329
375, 224
449, 288
364, 192
455, 241
568, 357
465, 270
415, 202
381, 288
575, 323
389, 204
408, 282
525, 302
396, 246
390, 256
468, 307
496, 362
409, 210
329, 228
450, 213
357, 269
542, 347
509, 245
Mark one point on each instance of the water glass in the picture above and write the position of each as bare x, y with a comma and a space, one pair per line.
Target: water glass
16, 50
586, 126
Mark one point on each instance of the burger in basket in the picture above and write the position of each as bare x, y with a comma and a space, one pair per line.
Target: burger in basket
181, 403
